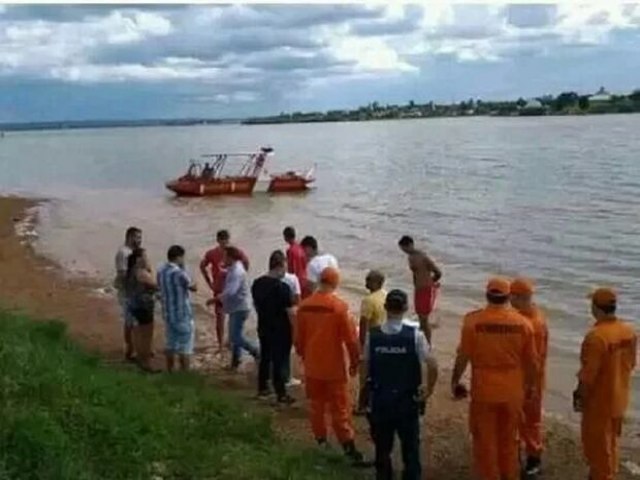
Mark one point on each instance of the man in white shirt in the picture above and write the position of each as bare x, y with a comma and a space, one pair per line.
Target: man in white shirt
132, 240
293, 283
317, 262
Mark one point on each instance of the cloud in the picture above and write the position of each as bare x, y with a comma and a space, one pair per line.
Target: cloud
248, 54
37, 47
223, 98
531, 16
73, 13
199, 42
409, 20
287, 59
370, 54
304, 16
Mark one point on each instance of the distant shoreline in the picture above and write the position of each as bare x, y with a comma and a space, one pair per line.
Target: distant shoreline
269, 121
565, 103
93, 124
88, 125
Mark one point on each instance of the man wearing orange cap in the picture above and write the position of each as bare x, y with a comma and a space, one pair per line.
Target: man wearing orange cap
522, 290
607, 360
498, 343
323, 331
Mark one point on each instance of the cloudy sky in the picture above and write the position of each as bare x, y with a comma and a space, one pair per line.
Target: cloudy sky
120, 62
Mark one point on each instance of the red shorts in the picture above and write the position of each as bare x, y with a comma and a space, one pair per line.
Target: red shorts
424, 299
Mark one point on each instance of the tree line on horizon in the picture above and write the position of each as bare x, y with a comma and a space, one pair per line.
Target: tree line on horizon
566, 103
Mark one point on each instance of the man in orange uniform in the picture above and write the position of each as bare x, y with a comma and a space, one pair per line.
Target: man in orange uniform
323, 330
522, 290
608, 358
499, 344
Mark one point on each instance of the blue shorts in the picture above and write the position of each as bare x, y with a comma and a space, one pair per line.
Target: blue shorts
180, 337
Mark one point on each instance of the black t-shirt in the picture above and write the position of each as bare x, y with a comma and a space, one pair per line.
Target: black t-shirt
271, 298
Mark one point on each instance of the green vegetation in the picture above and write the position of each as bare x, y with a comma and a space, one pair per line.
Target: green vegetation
64, 415
566, 103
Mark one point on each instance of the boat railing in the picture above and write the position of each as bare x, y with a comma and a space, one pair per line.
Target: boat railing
214, 167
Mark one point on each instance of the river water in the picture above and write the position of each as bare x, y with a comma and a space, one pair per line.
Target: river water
556, 199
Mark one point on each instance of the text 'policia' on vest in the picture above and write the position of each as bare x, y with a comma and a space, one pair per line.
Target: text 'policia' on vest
395, 373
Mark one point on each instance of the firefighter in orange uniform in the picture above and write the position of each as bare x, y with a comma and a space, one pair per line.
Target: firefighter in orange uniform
498, 342
607, 360
522, 291
323, 331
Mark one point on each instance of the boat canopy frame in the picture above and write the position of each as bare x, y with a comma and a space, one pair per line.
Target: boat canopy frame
250, 168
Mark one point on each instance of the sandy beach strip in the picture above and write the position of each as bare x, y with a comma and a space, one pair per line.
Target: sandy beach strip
40, 288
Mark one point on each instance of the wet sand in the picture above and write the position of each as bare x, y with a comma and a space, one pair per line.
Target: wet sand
39, 287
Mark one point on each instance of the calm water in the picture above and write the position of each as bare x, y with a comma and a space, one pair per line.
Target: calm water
557, 199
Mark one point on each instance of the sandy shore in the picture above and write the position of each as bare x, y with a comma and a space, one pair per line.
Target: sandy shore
39, 287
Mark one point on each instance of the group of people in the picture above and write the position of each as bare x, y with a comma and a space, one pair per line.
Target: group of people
138, 289
505, 344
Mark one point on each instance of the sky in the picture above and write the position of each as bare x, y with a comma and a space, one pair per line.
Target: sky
80, 62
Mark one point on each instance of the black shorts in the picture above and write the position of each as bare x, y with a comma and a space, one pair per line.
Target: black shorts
143, 316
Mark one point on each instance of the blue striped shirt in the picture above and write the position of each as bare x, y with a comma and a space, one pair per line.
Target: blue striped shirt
174, 285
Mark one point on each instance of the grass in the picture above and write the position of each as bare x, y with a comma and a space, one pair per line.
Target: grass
64, 415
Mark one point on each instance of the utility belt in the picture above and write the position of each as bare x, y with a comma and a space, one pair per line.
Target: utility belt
383, 400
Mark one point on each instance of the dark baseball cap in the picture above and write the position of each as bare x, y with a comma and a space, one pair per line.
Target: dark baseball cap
396, 300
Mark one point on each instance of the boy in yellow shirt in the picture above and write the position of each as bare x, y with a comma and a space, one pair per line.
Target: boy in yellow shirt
372, 314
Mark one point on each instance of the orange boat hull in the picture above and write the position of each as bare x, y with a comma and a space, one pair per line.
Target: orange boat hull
289, 183
186, 187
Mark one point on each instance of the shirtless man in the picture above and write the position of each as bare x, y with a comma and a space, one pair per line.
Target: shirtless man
426, 276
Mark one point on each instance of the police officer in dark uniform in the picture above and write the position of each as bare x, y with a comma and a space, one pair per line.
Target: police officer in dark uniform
394, 353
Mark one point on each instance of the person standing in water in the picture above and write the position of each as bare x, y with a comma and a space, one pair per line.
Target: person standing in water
426, 278
141, 286
132, 240
214, 271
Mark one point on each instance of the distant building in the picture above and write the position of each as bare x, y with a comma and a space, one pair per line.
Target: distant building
532, 107
601, 96
533, 104
412, 113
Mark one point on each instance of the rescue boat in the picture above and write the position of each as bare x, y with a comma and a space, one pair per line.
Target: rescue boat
209, 180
